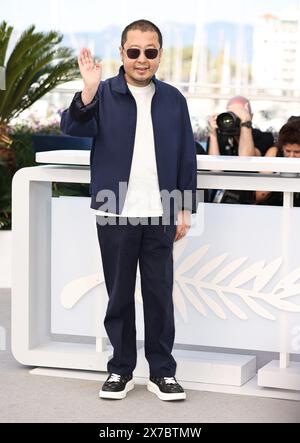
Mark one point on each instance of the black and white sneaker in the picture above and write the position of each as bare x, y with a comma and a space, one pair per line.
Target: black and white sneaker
116, 386
166, 388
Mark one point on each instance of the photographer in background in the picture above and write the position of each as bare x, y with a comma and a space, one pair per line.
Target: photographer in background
231, 133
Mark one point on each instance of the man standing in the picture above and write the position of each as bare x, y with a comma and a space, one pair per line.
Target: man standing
142, 139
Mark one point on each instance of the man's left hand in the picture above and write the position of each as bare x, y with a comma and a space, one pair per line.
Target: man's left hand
183, 224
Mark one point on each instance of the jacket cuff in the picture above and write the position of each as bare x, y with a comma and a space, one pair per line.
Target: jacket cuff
80, 112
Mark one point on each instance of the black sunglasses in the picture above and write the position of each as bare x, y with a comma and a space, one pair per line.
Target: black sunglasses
133, 53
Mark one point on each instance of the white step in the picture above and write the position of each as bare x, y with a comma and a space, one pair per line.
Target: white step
272, 376
207, 367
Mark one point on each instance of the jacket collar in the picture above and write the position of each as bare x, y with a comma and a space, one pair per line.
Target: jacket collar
119, 83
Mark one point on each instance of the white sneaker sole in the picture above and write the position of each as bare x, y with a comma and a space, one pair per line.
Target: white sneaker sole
117, 395
152, 387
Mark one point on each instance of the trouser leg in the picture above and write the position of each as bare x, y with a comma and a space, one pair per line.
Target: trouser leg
156, 267
120, 247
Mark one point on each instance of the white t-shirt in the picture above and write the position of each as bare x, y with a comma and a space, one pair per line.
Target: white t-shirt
143, 194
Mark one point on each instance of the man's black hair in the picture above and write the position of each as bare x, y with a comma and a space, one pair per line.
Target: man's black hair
142, 25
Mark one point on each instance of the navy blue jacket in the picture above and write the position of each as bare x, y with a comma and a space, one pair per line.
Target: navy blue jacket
111, 120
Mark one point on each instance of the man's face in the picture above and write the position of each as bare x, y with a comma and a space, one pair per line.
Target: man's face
139, 71
291, 150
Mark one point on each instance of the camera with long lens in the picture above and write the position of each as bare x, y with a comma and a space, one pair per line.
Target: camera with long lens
228, 124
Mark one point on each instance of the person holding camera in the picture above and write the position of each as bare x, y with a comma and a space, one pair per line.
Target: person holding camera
231, 132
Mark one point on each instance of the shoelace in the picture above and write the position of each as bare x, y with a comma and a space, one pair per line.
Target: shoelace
114, 378
170, 380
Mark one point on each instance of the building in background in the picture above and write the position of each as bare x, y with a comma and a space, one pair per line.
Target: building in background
276, 52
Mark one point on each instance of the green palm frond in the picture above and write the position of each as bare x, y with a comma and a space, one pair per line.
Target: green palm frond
37, 64
5, 34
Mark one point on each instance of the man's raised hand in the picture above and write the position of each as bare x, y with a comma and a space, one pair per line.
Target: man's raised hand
91, 74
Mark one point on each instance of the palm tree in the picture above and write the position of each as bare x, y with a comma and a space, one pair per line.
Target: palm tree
36, 65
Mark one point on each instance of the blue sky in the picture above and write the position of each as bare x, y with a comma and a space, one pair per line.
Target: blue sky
92, 15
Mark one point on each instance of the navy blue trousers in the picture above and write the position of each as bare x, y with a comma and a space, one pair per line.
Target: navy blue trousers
122, 248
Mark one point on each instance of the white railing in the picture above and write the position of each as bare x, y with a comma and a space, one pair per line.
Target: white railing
275, 174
